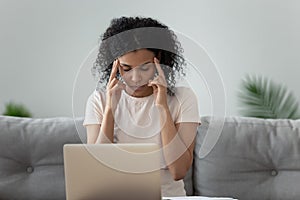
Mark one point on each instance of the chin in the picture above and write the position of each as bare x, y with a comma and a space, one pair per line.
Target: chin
139, 93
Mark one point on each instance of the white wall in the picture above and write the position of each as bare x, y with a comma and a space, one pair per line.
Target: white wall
44, 42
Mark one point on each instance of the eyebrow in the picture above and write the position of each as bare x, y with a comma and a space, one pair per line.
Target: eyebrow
126, 65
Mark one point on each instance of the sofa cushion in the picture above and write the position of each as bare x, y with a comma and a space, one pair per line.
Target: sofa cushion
188, 182
31, 156
252, 159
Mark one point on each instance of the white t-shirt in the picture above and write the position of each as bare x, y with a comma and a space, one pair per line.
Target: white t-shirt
136, 120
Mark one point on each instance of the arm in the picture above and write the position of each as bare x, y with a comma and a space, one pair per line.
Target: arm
178, 142
106, 134
92, 132
101, 134
97, 133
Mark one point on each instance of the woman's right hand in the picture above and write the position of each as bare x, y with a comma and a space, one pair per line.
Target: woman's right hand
114, 88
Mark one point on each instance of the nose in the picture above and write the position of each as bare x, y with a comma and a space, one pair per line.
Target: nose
136, 76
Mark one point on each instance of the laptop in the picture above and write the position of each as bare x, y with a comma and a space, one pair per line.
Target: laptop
112, 171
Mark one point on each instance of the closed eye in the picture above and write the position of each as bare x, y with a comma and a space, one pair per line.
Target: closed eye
145, 67
126, 68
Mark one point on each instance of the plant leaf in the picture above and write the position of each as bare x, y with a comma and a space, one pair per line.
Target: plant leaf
260, 97
17, 110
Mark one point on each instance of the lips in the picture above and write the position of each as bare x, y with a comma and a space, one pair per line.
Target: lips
138, 88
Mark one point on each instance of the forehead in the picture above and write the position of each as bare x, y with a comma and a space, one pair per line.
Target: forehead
137, 57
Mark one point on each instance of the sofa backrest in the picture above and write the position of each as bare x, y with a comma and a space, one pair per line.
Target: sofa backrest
31, 156
252, 159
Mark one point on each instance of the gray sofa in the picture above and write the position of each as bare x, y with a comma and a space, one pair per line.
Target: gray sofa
252, 158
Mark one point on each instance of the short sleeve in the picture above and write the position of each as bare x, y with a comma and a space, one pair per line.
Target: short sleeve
188, 106
94, 109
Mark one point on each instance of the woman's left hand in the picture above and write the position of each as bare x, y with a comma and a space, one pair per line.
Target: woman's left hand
159, 85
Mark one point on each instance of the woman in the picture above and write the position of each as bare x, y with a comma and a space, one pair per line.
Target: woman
137, 101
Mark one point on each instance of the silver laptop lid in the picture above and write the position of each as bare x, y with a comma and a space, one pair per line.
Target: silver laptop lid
112, 171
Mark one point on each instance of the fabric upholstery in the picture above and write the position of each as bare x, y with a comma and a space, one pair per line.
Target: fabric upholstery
253, 159
31, 156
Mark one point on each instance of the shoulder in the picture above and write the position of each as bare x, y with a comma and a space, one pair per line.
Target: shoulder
184, 90
98, 95
183, 96
185, 104
184, 93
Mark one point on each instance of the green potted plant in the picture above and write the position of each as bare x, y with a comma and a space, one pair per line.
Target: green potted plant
262, 98
17, 110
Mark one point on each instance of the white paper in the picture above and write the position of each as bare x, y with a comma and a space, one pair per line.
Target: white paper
197, 198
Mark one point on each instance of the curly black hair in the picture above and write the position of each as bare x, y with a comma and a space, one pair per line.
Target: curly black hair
127, 34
